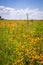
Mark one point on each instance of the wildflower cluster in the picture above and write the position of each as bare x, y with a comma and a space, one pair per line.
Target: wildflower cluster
21, 43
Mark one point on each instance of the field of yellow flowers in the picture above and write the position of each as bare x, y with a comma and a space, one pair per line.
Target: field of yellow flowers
21, 42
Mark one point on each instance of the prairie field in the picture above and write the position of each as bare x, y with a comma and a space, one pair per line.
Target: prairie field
21, 42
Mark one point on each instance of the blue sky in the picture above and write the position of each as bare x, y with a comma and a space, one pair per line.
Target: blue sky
17, 9
18, 4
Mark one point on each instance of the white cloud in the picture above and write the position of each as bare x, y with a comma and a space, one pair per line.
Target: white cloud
12, 13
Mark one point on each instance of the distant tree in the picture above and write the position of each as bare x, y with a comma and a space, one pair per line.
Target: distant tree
0, 17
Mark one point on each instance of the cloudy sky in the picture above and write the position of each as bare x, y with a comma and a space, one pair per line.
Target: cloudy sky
17, 9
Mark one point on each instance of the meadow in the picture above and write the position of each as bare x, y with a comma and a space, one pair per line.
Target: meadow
21, 42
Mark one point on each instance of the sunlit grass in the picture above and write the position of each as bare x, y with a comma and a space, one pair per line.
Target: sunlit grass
21, 42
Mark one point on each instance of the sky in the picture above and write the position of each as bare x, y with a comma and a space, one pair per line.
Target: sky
17, 9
